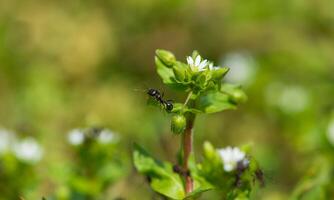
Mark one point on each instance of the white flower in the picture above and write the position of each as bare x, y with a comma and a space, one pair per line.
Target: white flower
231, 157
243, 67
290, 99
7, 138
75, 137
106, 136
197, 64
28, 150
294, 99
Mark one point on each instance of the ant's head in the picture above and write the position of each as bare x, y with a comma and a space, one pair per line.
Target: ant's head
169, 105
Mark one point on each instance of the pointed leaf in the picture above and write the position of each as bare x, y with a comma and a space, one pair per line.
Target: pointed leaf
166, 74
214, 101
163, 179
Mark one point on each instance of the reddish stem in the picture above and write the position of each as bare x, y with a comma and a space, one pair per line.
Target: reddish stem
187, 149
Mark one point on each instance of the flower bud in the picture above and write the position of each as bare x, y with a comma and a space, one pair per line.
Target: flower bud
238, 96
178, 124
235, 93
165, 57
209, 150
219, 73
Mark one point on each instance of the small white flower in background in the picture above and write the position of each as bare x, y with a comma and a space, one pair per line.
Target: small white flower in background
293, 99
231, 157
242, 67
290, 99
76, 137
197, 63
106, 136
7, 138
28, 150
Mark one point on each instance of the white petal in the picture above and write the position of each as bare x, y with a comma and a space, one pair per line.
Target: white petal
198, 60
190, 61
230, 157
238, 155
228, 167
203, 64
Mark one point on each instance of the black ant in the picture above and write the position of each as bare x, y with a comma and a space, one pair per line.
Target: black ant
168, 104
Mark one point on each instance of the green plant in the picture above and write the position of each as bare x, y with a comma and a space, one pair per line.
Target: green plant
231, 171
97, 163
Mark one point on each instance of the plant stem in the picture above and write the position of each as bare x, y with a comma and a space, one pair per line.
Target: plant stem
187, 144
187, 150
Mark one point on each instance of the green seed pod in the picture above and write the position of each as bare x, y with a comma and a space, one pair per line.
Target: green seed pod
165, 57
178, 124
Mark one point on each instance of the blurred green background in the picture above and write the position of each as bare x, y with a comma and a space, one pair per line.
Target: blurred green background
68, 65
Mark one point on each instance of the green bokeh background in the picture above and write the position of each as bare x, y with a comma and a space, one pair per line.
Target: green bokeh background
77, 64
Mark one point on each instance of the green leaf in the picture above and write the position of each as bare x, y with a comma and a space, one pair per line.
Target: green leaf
200, 186
180, 108
166, 74
238, 195
177, 107
193, 110
201, 80
214, 101
168, 186
200, 183
163, 179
